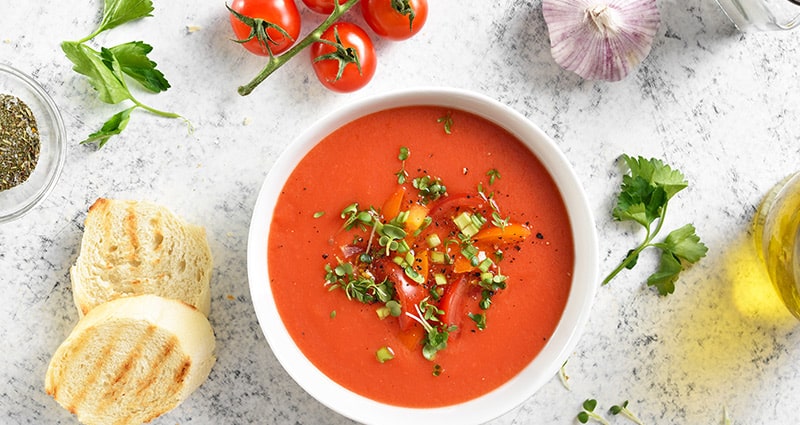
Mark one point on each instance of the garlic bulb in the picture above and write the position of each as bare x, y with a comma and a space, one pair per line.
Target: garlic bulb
600, 39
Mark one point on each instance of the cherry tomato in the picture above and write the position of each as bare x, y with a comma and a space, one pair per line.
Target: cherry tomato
346, 61
395, 19
274, 24
322, 6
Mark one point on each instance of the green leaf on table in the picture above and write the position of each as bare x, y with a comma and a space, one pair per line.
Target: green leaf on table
684, 244
668, 270
118, 12
89, 62
644, 195
657, 174
110, 128
133, 61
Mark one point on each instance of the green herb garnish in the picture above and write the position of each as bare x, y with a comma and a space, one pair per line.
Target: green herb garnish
643, 198
402, 175
624, 411
493, 175
109, 68
430, 189
479, 319
588, 413
447, 120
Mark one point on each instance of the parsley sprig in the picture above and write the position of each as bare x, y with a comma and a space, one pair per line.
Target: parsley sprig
644, 196
109, 68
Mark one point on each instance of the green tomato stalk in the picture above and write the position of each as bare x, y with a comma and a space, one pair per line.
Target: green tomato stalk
276, 62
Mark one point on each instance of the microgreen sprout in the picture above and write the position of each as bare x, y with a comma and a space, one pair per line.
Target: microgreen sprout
436, 338
479, 319
447, 120
588, 413
562, 374
643, 198
622, 409
493, 175
402, 175
430, 189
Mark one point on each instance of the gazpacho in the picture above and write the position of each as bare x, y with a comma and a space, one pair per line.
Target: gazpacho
420, 256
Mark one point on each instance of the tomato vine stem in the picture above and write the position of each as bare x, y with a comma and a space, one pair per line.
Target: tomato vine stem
276, 62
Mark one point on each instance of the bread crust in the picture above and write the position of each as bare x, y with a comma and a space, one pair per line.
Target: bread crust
137, 247
131, 360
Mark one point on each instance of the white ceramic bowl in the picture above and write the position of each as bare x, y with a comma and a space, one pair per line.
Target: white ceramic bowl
514, 392
18, 200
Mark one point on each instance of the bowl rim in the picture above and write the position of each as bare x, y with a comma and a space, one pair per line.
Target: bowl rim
59, 143
509, 395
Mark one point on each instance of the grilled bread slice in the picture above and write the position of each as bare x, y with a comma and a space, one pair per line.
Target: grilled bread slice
137, 247
131, 359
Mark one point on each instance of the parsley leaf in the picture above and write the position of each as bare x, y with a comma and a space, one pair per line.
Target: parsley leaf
88, 62
107, 69
112, 127
118, 12
644, 195
133, 61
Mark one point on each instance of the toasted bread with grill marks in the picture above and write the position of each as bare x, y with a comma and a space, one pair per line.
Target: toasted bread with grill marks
131, 359
137, 247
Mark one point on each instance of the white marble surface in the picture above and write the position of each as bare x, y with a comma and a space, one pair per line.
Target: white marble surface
720, 105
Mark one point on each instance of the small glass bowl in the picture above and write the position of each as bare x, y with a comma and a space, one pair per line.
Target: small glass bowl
20, 199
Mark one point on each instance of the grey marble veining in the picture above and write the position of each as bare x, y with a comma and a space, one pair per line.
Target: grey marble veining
720, 105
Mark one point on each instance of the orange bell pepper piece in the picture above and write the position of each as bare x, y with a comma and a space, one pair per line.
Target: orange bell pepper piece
391, 207
512, 233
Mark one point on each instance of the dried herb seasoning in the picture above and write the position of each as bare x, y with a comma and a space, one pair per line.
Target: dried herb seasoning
19, 141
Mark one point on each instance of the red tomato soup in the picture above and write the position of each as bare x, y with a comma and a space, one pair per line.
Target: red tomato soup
360, 163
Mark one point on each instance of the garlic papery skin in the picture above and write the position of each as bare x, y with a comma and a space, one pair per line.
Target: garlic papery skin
601, 39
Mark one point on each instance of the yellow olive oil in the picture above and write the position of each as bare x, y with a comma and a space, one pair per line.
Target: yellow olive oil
777, 237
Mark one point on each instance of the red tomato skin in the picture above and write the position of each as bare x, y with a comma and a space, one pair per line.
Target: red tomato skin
322, 6
283, 13
388, 23
409, 294
352, 36
452, 302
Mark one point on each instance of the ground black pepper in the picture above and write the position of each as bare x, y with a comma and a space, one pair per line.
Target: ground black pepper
19, 142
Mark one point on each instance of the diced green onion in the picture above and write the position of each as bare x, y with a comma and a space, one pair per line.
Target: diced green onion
384, 354
438, 257
440, 279
433, 240
485, 265
383, 312
462, 221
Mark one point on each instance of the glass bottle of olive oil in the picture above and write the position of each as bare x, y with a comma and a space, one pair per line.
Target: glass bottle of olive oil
777, 238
